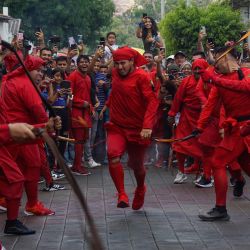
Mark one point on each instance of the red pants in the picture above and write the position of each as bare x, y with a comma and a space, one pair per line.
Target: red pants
11, 183
79, 134
28, 159
221, 159
45, 170
117, 144
9, 190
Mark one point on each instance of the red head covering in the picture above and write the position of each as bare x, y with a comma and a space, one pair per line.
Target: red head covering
201, 63
10, 60
33, 62
126, 53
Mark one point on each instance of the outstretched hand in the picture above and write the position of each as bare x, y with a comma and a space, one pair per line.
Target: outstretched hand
207, 76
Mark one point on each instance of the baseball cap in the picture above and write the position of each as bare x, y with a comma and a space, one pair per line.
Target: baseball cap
180, 53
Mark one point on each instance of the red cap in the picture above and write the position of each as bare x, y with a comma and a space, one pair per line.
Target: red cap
126, 53
201, 63
33, 62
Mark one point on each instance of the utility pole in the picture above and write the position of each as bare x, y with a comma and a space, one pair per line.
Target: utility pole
162, 9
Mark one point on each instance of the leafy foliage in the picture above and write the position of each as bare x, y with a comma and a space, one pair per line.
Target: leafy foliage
180, 26
63, 17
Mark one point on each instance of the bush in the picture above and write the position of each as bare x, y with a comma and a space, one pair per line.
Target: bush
181, 26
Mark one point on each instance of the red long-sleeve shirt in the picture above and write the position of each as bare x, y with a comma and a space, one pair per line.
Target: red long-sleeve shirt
132, 102
186, 96
80, 85
234, 95
19, 100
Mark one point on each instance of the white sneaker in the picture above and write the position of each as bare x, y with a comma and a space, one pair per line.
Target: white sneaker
93, 164
180, 178
57, 176
1, 246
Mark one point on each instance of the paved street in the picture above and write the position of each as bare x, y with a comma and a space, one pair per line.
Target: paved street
167, 221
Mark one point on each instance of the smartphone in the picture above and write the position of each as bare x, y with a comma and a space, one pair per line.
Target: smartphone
144, 15
181, 75
162, 49
73, 46
79, 39
203, 30
38, 29
65, 84
19, 36
242, 33
71, 40
102, 41
55, 39
210, 40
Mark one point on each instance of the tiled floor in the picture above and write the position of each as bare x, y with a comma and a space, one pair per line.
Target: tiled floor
168, 219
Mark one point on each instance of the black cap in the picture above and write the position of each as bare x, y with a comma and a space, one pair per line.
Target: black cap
180, 53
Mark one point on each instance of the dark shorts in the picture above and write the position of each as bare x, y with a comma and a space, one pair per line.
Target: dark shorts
64, 114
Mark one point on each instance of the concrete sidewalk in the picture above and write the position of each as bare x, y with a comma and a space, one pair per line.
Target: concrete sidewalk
168, 219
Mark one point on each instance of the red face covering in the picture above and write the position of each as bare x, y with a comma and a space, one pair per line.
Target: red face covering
201, 63
10, 61
126, 53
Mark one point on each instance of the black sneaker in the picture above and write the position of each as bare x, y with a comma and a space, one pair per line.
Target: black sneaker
17, 227
215, 214
203, 182
238, 188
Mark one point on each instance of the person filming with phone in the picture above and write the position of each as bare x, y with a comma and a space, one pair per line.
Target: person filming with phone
148, 32
58, 95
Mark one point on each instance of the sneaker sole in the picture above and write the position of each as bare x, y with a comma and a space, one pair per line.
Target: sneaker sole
203, 186
52, 189
75, 173
214, 219
122, 204
32, 214
57, 178
180, 182
28, 233
3, 208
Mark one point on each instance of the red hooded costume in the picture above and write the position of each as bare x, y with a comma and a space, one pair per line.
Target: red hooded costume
133, 106
234, 94
187, 102
81, 88
21, 103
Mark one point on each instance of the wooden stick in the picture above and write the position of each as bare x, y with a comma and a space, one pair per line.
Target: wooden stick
236, 44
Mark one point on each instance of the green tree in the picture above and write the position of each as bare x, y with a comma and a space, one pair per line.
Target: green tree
180, 26
63, 17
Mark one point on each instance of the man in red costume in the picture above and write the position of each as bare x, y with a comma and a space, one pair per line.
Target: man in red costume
81, 109
133, 105
232, 89
186, 102
21, 103
11, 178
211, 136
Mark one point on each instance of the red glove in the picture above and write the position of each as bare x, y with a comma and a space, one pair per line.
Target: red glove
207, 76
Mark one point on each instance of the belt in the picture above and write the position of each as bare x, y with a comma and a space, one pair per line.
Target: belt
58, 107
243, 118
